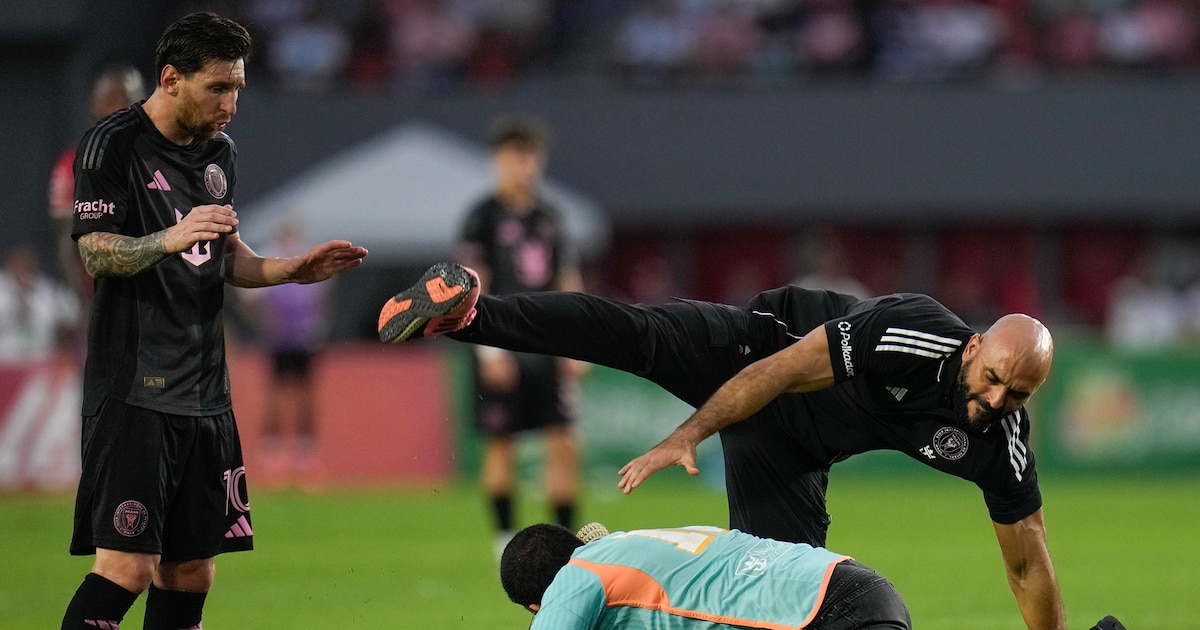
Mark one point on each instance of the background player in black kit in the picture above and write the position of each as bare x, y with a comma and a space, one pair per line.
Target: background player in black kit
163, 488
802, 379
514, 239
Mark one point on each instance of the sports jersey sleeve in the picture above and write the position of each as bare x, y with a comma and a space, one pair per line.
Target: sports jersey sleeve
101, 197
574, 601
887, 335
1011, 492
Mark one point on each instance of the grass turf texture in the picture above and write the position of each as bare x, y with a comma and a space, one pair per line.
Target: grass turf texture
422, 558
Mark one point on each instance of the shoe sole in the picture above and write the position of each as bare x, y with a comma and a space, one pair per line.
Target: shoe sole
440, 291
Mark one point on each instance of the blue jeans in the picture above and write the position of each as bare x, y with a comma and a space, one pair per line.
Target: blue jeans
858, 598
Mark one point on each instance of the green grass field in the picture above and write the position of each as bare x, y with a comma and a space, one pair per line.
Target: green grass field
421, 558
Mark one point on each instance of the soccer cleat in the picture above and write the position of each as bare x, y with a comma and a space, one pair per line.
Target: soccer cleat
591, 531
441, 302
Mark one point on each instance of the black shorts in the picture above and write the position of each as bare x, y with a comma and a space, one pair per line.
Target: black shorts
775, 488
541, 399
292, 363
158, 483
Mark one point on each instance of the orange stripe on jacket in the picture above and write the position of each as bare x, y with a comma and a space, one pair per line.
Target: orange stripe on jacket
626, 586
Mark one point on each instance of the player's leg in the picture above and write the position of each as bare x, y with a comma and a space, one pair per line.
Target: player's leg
308, 467
688, 348
115, 581
176, 597
774, 489
858, 598
275, 463
562, 473
497, 478
496, 414
210, 515
119, 513
550, 402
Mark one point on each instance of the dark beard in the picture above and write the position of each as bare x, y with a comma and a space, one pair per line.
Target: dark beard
962, 396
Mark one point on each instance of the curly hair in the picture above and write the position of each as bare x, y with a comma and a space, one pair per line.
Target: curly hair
532, 559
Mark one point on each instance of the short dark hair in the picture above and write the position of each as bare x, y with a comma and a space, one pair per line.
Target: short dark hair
531, 560
197, 39
524, 131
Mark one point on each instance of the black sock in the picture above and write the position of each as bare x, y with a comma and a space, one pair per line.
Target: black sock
564, 514
173, 610
98, 603
502, 509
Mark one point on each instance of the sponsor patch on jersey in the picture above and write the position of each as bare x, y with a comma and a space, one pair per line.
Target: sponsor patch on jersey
844, 334
950, 442
154, 382
94, 209
131, 518
215, 181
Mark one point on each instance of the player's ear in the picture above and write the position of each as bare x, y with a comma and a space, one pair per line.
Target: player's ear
169, 79
972, 347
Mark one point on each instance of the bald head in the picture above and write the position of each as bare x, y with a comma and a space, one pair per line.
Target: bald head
1024, 344
1001, 369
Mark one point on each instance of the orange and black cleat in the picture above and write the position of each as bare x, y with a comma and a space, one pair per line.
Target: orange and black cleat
443, 301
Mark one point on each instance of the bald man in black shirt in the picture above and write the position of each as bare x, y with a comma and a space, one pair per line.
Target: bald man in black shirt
802, 379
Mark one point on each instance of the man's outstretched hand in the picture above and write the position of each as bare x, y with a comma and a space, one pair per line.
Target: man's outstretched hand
673, 451
324, 261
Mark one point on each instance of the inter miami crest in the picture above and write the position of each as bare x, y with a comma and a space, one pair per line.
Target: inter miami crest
950, 442
215, 182
131, 518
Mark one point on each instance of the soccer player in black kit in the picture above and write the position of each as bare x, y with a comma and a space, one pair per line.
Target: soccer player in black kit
163, 488
795, 382
514, 239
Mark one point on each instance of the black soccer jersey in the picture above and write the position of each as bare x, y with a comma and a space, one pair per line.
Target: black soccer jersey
896, 361
524, 252
155, 339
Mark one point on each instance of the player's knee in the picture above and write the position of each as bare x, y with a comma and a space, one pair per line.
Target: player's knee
194, 576
131, 571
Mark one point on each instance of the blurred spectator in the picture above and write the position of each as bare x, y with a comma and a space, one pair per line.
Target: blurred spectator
292, 322
1145, 311
654, 43
35, 311
1070, 41
827, 267
1148, 34
115, 87
830, 41
651, 281
307, 54
370, 63
937, 39
509, 34
429, 42
727, 42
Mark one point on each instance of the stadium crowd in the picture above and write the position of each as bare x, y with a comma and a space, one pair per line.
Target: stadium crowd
311, 45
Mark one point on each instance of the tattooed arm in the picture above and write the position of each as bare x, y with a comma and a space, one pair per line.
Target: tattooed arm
108, 254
